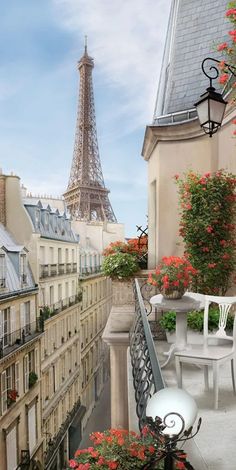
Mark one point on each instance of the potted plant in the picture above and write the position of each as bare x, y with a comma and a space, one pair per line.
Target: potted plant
119, 449
11, 397
195, 324
32, 378
173, 276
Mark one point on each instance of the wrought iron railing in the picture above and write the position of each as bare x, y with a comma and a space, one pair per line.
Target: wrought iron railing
12, 340
86, 271
147, 376
48, 270
53, 444
48, 311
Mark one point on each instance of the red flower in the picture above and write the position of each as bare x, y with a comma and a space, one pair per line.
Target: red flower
180, 465
112, 465
223, 78
209, 229
73, 464
211, 265
222, 46
231, 12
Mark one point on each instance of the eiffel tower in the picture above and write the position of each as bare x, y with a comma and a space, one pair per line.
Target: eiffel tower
86, 197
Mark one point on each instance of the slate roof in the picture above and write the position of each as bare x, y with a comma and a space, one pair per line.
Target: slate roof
195, 28
12, 251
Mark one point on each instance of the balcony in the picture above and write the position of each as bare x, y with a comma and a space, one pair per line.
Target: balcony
78, 410
57, 269
9, 342
47, 312
135, 379
89, 270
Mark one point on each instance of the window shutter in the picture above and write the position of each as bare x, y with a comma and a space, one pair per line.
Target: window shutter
11, 445
26, 373
17, 377
32, 312
4, 391
32, 433
22, 316
36, 365
1, 325
13, 319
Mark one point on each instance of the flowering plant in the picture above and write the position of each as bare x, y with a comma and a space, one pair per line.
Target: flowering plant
172, 274
123, 259
207, 214
123, 450
120, 265
137, 247
119, 247
228, 49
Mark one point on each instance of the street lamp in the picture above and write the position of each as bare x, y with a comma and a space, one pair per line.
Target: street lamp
211, 105
171, 413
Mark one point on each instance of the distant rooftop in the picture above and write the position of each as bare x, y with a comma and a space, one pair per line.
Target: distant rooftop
195, 28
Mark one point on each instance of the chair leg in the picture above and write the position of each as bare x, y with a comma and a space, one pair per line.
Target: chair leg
216, 384
232, 373
206, 378
178, 367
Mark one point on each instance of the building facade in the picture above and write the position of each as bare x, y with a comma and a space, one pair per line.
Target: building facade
72, 306
20, 334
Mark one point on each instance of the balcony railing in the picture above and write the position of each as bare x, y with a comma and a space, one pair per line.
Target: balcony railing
11, 341
48, 270
147, 376
48, 311
88, 270
53, 444
2, 283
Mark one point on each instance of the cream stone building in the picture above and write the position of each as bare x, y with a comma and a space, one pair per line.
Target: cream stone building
20, 355
73, 304
174, 142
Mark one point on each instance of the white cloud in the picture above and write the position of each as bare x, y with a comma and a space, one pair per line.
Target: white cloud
126, 39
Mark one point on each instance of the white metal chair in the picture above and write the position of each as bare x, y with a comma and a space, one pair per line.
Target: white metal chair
211, 353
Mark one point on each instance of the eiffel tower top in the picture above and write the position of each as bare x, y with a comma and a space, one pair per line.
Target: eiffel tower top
86, 196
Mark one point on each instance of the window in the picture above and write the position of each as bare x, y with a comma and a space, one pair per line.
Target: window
9, 386
25, 317
2, 271
46, 220
5, 327
51, 290
29, 366
23, 268
37, 218
55, 223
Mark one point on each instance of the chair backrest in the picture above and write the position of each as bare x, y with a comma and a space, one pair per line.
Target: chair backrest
224, 304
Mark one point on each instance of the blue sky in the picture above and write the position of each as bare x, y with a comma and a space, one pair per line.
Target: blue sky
40, 44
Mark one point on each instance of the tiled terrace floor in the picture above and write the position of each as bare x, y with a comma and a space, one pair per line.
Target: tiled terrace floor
214, 448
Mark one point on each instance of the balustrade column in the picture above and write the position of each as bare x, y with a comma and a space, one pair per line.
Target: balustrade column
116, 335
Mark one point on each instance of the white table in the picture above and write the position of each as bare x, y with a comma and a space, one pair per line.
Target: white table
189, 301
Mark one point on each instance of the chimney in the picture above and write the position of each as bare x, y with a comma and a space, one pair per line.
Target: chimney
2, 199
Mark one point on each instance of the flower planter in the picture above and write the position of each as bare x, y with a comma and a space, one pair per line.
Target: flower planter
122, 292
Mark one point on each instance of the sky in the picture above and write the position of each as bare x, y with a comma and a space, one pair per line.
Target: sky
40, 45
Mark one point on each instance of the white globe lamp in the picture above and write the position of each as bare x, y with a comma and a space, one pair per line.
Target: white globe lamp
175, 407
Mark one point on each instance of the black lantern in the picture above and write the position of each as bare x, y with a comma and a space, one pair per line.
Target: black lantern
211, 105
210, 108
